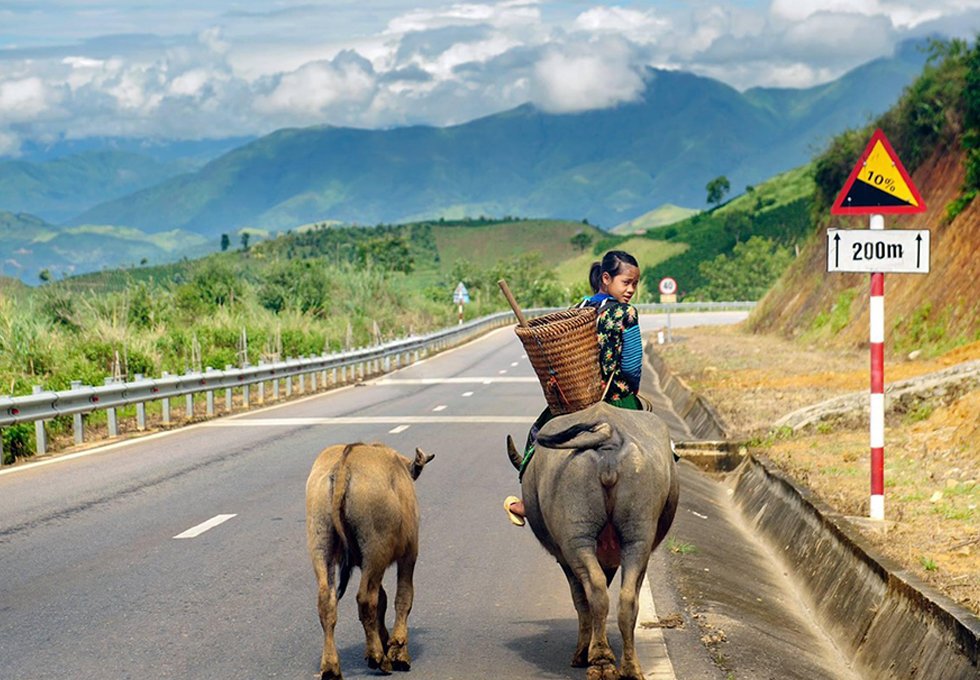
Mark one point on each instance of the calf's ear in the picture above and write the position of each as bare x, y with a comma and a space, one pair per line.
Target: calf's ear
421, 458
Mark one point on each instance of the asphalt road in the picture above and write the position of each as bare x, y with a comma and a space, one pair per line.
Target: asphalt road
94, 582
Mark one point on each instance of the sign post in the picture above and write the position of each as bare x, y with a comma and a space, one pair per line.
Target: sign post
877, 186
668, 296
461, 297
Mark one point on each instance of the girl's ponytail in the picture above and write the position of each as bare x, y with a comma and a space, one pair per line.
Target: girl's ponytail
595, 276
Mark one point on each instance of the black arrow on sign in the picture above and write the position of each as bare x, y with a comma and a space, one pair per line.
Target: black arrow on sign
837, 250
918, 250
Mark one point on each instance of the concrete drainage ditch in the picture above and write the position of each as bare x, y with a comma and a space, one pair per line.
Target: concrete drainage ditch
881, 616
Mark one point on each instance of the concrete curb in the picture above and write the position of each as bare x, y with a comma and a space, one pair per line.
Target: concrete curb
882, 616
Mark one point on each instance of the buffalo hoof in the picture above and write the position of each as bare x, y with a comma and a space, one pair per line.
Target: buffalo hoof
604, 670
399, 657
381, 664
331, 674
581, 658
630, 671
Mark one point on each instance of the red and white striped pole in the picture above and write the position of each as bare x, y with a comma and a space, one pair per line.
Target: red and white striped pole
877, 405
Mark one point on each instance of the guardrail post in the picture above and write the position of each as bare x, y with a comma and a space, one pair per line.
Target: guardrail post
210, 395
41, 435
77, 422
262, 392
165, 404
189, 406
275, 389
112, 422
360, 371
302, 382
228, 397
245, 395
2, 458
140, 410
313, 381
289, 386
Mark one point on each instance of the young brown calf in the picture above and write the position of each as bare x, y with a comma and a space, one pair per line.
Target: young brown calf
361, 511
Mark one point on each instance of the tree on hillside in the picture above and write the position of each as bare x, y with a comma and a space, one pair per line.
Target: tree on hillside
45, 276
245, 237
717, 188
581, 240
225, 242
747, 273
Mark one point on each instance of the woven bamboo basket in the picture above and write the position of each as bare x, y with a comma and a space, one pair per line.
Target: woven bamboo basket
564, 350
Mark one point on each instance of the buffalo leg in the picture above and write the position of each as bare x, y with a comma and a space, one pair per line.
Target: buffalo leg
581, 657
602, 661
326, 603
634, 570
367, 607
382, 612
398, 654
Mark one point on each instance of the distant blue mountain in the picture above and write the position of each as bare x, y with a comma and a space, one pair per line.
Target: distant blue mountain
607, 166
61, 179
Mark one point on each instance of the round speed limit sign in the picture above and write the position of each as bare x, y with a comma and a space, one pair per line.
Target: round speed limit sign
668, 286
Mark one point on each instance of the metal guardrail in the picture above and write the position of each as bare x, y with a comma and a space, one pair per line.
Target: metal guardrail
44, 405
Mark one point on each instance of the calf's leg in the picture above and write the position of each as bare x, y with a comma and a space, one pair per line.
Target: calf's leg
367, 607
398, 654
327, 609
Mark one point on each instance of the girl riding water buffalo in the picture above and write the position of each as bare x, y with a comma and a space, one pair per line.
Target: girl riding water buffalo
614, 281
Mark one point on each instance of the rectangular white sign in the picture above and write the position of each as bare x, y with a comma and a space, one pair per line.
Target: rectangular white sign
903, 251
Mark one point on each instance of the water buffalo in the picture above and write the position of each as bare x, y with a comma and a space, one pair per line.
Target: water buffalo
600, 493
361, 511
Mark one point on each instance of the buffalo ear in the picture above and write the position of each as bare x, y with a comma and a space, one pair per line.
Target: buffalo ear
421, 458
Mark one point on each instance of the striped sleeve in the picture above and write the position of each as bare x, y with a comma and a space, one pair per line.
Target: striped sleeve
631, 361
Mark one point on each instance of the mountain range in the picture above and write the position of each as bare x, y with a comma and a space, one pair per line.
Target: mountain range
607, 166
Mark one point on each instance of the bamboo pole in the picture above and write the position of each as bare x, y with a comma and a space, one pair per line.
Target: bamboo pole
513, 303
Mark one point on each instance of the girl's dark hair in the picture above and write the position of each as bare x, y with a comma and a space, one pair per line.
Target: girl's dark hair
612, 264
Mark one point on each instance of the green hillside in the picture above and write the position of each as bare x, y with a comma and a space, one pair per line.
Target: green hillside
649, 253
778, 210
659, 217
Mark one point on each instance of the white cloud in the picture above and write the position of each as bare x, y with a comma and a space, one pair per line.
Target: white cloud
309, 92
638, 26
906, 14
24, 99
586, 76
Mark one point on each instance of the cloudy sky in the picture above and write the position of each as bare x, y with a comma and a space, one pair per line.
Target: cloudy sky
192, 69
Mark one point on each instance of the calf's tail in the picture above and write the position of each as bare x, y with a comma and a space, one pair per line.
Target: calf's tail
341, 479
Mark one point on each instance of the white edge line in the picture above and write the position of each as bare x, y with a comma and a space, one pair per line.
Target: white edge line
196, 531
651, 648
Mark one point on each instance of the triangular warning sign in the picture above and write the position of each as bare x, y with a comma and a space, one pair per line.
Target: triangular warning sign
878, 184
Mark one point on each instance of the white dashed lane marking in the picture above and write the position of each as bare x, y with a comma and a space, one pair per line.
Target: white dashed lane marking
467, 394
196, 531
400, 428
440, 407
